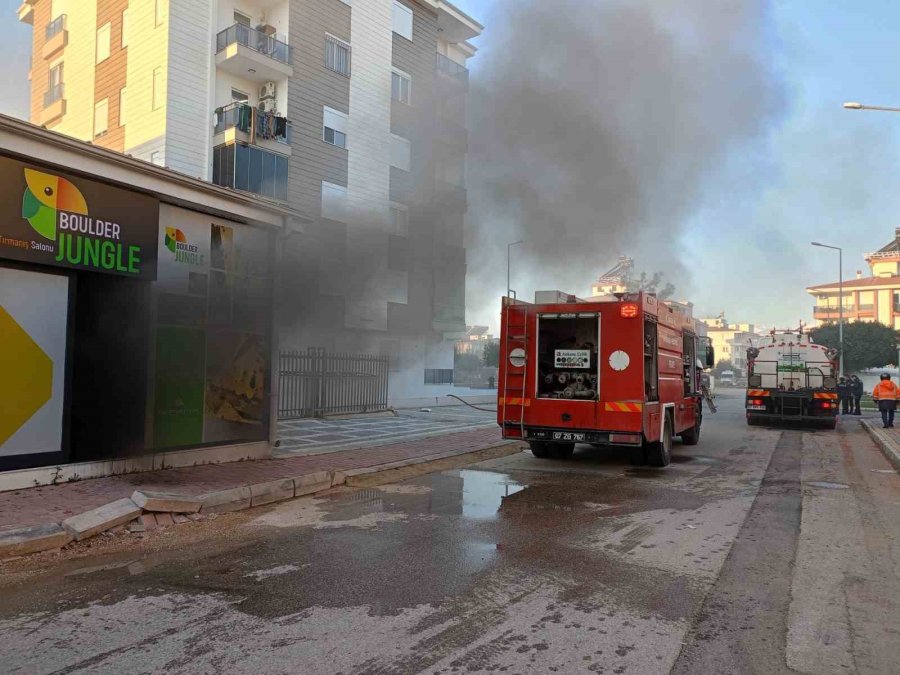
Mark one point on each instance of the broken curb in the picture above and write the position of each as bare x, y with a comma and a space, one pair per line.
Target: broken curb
165, 503
32, 539
102, 518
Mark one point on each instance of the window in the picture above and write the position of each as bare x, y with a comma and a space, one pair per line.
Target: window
439, 376
124, 28
101, 117
241, 18
400, 86
399, 219
158, 13
337, 55
252, 169
334, 201
158, 94
103, 43
56, 75
334, 127
403, 20
237, 96
400, 152
122, 107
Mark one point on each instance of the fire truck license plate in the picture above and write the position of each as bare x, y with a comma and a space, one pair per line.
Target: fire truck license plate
567, 436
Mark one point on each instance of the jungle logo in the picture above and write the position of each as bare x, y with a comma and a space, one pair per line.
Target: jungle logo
46, 194
184, 251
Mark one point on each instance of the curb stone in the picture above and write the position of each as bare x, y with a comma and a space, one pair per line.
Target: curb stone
889, 448
225, 501
32, 539
313, 482
271, 491
102, 518
164, 502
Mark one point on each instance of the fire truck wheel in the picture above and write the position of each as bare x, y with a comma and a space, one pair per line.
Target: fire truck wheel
539, 450
660, 452
563, 450
691, 436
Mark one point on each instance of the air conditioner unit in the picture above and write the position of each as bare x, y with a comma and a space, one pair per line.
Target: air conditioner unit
267, 105
268, 90
267, 29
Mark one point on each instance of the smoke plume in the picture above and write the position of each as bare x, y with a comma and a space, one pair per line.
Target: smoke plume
593, 128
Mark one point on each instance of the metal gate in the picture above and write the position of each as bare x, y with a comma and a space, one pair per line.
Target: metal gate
315, 383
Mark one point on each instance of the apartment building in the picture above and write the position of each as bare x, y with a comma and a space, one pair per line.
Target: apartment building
731, 340
866, 298
351, 112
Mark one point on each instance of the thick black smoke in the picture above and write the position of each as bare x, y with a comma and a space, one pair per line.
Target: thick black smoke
594, 126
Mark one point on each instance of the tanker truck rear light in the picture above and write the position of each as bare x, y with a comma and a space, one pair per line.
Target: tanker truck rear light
625, 439
629, 311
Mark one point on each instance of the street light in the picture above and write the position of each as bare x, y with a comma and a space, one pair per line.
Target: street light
854, 105
508, 252
840, 301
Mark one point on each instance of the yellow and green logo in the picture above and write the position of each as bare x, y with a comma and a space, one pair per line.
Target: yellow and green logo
46, 194
174, 236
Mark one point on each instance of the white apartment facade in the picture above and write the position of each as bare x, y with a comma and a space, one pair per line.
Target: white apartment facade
351, 112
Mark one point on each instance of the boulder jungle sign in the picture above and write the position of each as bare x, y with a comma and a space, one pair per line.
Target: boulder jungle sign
51, 218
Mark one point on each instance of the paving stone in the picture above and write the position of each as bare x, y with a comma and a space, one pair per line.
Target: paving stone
165, 503
180, 518
32, 539
102, 518
164, 519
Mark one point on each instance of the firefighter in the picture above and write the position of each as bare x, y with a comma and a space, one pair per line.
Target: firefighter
857, 390
885, 392
844, 394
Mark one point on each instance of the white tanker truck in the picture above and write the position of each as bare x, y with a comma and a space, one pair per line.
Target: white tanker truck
789, 377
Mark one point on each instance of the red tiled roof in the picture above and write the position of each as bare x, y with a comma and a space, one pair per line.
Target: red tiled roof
860, 283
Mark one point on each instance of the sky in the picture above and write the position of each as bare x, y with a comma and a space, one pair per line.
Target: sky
819, 173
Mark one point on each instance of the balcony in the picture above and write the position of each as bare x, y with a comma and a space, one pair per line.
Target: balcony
253, 54
56, 36
244, 123
452, 70
54, 104
821, 312
251, 169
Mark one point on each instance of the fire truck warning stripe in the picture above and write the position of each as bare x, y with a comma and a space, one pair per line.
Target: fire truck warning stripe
622, 406
824, 395
515, 401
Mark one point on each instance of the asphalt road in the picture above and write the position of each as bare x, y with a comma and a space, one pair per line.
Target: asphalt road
757, 551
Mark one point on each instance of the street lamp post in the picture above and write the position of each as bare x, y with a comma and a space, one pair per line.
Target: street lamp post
840, 302
508, 254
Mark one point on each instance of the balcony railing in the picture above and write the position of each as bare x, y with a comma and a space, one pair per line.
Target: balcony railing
834, 311
256, 40
54, 94
452, 68
244, 117
55, 27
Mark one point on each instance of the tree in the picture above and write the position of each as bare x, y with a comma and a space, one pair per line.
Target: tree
866, 345
491, 357
464, 361
649, 285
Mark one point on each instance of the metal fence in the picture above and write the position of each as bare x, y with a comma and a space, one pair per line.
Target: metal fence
315, 383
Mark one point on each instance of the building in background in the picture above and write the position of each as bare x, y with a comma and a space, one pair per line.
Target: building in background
352, 114
615, 280
475, 340
731, 340
872, 298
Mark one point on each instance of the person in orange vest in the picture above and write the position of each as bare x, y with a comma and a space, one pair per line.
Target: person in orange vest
886, 393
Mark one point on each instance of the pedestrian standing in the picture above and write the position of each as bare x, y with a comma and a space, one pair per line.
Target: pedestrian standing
885, 392
843, 392
857, 390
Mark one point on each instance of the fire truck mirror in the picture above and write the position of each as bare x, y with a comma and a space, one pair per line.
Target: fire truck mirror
710, 356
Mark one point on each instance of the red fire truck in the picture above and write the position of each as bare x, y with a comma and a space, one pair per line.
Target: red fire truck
617, 370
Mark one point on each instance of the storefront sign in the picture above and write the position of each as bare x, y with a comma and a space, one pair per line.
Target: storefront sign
51, 218
33, 333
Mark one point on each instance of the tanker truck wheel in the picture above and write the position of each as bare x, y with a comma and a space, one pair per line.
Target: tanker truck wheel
659, 453
539, 449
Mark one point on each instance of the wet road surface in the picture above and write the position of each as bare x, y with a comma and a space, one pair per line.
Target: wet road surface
759, 550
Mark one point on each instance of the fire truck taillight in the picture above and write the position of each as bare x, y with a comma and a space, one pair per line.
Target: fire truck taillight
628, 311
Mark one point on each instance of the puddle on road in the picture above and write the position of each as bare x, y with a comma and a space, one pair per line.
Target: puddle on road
829, 486
483, 492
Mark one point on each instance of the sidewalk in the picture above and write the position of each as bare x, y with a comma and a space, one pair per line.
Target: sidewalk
886, 439
55, 503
